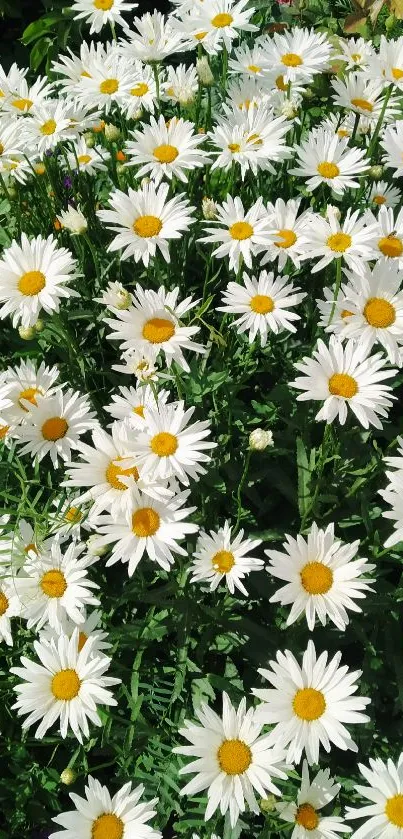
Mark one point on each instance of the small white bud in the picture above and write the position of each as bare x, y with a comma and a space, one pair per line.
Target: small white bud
259, 439
73, 220
376, 172
93, 548
26, 332
209, 209
39, 326
289, 109
68, 776
112, 132
204, 71
115, 296
332, 211
90, 140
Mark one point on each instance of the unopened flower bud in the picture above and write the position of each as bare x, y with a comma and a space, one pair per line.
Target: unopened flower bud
204, 71
26, 332
308, 93
112, 132
376, 172
93, 548
120, 168
12, 192
209, 209
68, 776
333, 211
267, 805
289, 109
40, 168
39, 326
115, 296
259, 439
90, 140
73, 220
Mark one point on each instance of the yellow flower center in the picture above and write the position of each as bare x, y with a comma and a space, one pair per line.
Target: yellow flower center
394, 810
139, 410
73, 515
164, 444
3, 603
346, 314
262, 304
234, 147
158, 330
109, 86
112, 475
379, 312
221, 20
356, 56
22, 104
30, 395
54, 428
107, 826
291, 59
307, 817
31, 283
309, 704
397, 73
166, 153
379, 199
342, 132
316, 578
234, 757
84, 158
328, 169
82, 638
280, 83
223, 561
363, 104
339, 242
253, 68
341, 384
48, 127
200, 36
147, 226
3, 431
241, 230
145, 522
65, 685
139, 89
104, 5
53, 583
391, 246
288, 238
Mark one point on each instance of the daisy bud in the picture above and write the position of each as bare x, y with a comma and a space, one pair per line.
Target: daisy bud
209, 209
26, 332
259, 439
39, 326
90, 140
68, 776
112, 132
115, 296
267, 805
120, 168
331, 210
94, 549
204, 71
73, 220
40, 168
376, 172
308, 93
289, 110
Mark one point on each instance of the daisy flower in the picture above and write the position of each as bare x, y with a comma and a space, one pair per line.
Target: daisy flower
22, 97
344, 377
242, 94
384, 195
54, 426
218, 556
363, 96
385, 796
263, 304
100, 12
18, 544
73, 220
10, 607
87, 629
233, 759
149, 527
17, 167
321, 577
393, 495
24, 385
325, 158
298, 54
13, 139
223, 21
11, 80
240, 234
166, 446
145, 220
386, 65
139, 363
355, 52
67, 685
86, 159
389, 235
133, 400
153, 38
108, 82
166, 150
48, 124
54, 586
374, 303
181, 84
103, 817
304, 812
33, 276
287, 237
392, 143
73, 68
153, 324
143, 91
353, 240
253, 138
308, 705
67, 518
251, 61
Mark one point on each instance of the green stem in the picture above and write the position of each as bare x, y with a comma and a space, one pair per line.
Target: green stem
157, 83
380, 121
240, 488
336, 289
6, 192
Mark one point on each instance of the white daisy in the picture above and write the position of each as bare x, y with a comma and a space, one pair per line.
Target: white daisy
353, 240
355, 52
10, 607
19, 543
73, 220
22, 98
251, 61
166, 150
102, 817
17, 167
54, 586
223, 21
47, 124
321, 578
384, 195
344, 377
54, 426
153, 324
233, 759
363, 96
33, 276
87, 159
67, 685
389, 235
304, 812
252, 138
73, 67
325, 158
242, 234
298, 54
68, 517
100, 12
133, 400
153, 38
166, 446
287, 239
24, 385
151, 527
244, 93
144, 220
87, 629
143, 92
13, 139
263, 304
218, 556
386, 65
108, 82
308, 705
384, 813
181, 84
392, 143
